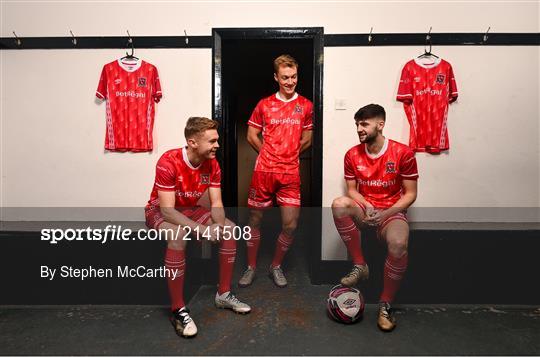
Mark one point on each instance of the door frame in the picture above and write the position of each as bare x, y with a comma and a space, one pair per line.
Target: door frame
227, 156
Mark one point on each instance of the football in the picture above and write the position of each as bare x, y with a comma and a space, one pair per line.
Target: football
345, 304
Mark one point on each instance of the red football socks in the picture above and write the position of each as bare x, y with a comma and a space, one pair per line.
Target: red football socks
175, 262
253, 247
227, 256
351, 237
283, 244
394, 270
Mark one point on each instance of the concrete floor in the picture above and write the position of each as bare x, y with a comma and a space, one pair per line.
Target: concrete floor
301, 327
289, 321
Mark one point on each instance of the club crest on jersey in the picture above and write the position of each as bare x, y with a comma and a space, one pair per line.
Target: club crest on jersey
390, 167
205, 179
298, 109
440, 78
142, 81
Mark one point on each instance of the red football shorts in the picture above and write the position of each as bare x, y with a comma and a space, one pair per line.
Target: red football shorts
267, 185
400, 215
198, 214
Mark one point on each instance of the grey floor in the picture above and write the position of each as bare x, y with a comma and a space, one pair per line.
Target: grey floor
290, 321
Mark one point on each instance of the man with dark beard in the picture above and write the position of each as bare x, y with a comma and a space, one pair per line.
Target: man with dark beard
381, 176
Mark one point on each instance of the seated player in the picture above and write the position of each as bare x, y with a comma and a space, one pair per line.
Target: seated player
381, 176
182, 177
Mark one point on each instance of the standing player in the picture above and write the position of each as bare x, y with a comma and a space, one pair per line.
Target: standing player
182, 176
285, 120
381, 177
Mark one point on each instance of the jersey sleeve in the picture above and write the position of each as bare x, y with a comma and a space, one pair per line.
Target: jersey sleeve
157, 94
256, 119
349, 167
165, 174
408, 168
101, 90
308, 118
452, 91
405, 91
215, 177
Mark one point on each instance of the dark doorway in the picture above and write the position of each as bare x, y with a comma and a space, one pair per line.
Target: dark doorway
242, 75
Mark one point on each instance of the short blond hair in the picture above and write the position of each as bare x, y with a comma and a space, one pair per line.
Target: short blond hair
198, 125
284, 60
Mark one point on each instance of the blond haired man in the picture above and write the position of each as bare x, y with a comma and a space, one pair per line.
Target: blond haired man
183, 175
285, 121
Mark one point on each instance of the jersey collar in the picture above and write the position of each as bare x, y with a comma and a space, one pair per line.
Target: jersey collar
435, 63
287, 101
127, 69
380, 153
186, 159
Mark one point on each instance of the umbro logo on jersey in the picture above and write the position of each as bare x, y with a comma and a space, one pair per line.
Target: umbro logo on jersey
142, 81
180, 179
440, 78
390, 167
298, 109
117, 81
417, 79
361, 168
205, 179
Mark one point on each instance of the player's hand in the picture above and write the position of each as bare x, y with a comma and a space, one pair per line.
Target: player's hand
216, 232
379, 217
370, 213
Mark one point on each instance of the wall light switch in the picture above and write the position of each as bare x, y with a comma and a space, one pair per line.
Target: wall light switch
340, 104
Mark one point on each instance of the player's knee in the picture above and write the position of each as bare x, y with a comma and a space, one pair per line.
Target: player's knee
289, 227
176, 244
255, 220
397, 247
340, 202
174, 241
229, 224
228, 233
229, 243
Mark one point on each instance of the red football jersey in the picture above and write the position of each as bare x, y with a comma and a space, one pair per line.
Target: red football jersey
282, 123
131, 90
379, 177
175, 173
426, 90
